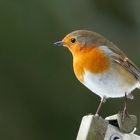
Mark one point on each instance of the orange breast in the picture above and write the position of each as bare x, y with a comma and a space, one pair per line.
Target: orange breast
91, 59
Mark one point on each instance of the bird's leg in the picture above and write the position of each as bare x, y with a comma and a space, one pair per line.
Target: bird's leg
100, 105
125, 111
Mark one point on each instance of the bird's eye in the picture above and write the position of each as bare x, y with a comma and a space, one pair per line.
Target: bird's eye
73, 40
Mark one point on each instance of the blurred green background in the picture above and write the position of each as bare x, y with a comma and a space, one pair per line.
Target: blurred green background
40, 98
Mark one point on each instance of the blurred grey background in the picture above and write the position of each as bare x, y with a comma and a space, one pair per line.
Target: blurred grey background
40, 98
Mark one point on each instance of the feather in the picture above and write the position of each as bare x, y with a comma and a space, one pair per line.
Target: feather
123, 60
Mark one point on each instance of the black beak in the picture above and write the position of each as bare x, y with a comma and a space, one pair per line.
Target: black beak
59, 43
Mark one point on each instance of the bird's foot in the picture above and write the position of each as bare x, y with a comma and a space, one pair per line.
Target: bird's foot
125, 114
125, 111
96, 114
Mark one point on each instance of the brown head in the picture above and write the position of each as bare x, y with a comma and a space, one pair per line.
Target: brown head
79, 40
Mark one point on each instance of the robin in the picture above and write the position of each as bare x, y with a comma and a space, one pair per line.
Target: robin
101, 66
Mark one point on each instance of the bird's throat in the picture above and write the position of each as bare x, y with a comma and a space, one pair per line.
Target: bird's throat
93, 60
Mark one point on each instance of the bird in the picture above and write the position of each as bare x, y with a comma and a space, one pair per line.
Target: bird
101, 66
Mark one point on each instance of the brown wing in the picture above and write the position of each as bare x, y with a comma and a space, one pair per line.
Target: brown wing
122, 59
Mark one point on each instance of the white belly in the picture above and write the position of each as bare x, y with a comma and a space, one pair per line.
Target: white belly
110, 84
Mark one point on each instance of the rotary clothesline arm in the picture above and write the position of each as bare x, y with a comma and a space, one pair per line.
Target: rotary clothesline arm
96, 128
